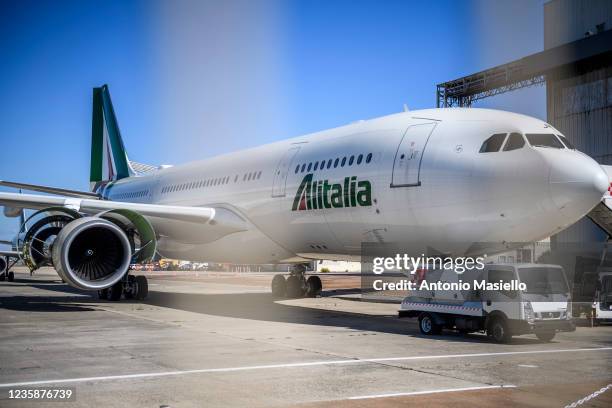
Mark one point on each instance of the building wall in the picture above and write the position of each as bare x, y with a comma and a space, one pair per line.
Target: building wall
579, 103
569, 20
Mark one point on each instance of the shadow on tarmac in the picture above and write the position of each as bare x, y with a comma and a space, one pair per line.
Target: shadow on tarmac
252, 306
261, 306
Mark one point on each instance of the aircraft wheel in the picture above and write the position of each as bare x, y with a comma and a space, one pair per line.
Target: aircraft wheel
427, 324
11, 276
313, 286
294, 287
103, 294
129, 294
279, 286
142, 287
115, 291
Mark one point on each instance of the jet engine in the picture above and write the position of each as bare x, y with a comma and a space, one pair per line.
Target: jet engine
38, 233
91, 253
88, 252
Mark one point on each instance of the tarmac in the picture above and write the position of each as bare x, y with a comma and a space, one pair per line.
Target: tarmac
220, 339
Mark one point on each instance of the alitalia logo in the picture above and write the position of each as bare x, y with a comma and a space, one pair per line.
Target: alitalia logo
320, 194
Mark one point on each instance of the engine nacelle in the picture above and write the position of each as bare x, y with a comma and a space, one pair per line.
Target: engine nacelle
38, 233
91, 253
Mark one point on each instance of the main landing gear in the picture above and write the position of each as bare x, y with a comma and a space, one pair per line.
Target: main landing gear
296, 285
131, 287
9, 276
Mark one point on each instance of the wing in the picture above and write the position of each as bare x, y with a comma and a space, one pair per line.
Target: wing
181, 223
12, 254
50, 190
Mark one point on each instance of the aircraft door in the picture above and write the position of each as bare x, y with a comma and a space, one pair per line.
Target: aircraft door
282, 171
407, 163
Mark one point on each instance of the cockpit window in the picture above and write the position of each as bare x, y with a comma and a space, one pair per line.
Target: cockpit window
544, 140
566, 142
493, 144
515, 141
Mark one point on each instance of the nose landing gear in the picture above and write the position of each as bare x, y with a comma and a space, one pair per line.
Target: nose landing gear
296, 285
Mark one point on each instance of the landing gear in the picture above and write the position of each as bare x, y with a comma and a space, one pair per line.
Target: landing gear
296, 285
313, 286
279, 286
10, 276
131, 287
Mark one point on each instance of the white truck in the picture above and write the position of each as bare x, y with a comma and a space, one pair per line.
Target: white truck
543, 307
602, 306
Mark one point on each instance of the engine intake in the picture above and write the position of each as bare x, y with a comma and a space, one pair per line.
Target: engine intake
91, 253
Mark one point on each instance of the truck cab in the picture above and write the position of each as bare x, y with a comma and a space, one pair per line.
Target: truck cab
502, 300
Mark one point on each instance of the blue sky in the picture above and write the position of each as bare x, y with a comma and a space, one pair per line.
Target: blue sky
193, 79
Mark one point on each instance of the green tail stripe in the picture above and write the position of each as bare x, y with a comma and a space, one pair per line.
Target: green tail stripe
119, 156
104, 114
97, 125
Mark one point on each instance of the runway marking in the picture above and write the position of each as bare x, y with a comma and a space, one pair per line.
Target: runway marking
528, 366
404, 394
293, 365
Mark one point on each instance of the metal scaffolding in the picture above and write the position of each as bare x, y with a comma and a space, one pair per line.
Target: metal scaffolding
529, 71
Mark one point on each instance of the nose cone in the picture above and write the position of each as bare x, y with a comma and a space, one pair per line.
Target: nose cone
577, 182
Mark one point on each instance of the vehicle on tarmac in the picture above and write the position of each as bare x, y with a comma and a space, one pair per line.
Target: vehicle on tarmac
531, 299
602, 306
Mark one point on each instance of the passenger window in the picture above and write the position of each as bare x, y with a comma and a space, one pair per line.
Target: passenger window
544, 140
566, 142
303, 167
493, 143
316, 166
336, 162
329, 163
515, 141
297, 168
343, 162
369, 158
309, 166
351, 160
259, 175
359, 159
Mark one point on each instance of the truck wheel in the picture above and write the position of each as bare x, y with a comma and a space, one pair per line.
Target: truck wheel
427, 324
498, 330
11, 276
545, 335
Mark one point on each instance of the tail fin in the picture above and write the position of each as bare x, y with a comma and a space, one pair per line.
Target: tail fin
109, 159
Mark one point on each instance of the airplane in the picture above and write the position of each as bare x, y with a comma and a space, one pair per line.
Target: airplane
8, 258
444, 178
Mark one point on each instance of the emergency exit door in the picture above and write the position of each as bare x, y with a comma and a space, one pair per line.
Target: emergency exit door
282, 171
407, 163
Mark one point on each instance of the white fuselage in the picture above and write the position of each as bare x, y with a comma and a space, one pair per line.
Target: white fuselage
429, 187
